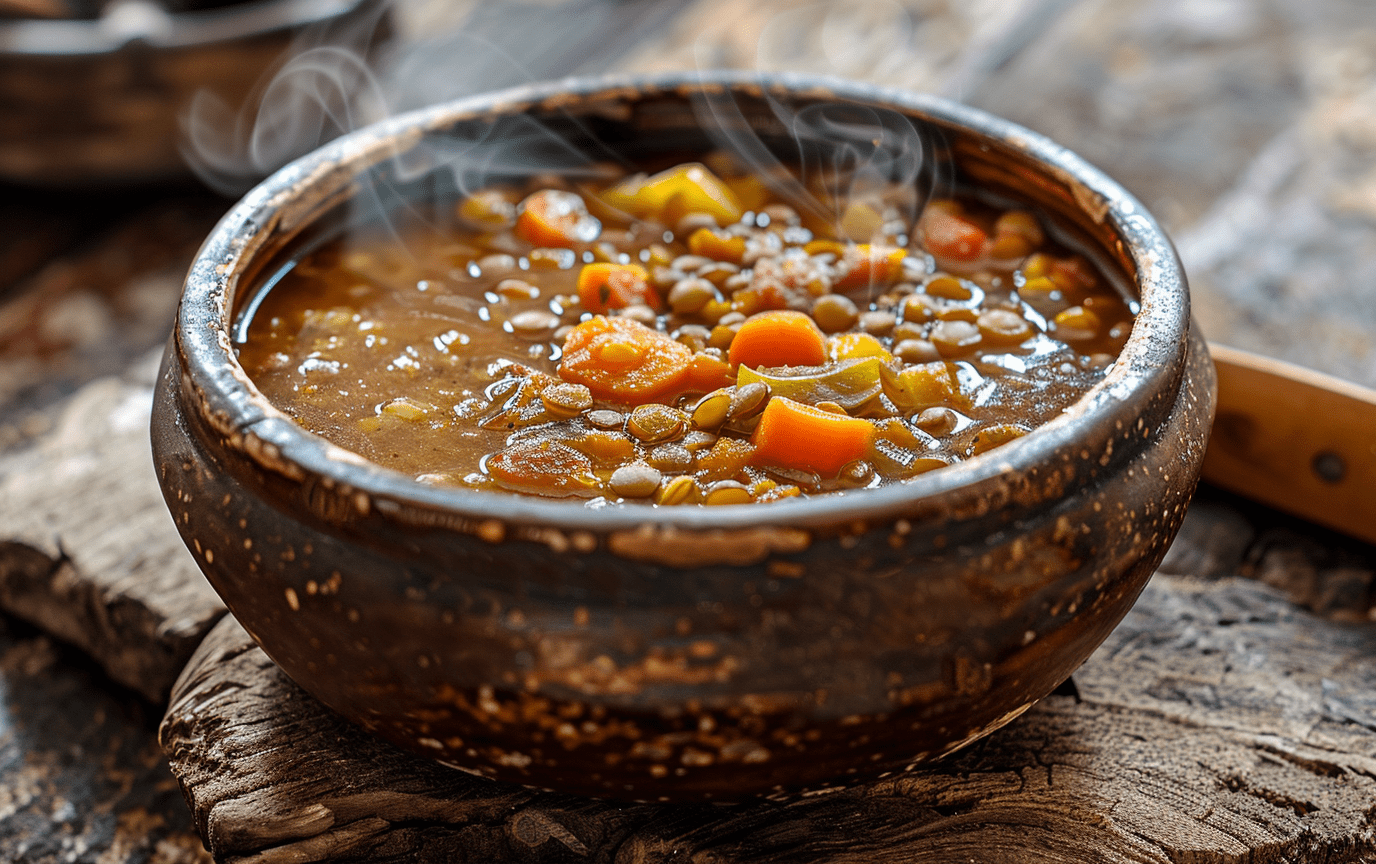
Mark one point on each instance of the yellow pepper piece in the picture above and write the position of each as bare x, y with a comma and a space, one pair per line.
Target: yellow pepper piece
717, 245
689, 188
922, 386
848, 383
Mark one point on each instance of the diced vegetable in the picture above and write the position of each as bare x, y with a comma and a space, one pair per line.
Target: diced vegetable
707, 373
860, 221
948, 233
605, 448
849, 346
602, 287
848, 383
624, 361
780, 337
751, 192
543, 467
1072, 274
864, 265
803, 438
898, 452
717, 245
1077, 324
553, 217
669, 195
995, 436
491, 209
918, 387
819, 247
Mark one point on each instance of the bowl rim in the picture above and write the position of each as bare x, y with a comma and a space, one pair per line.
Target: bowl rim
1151, 361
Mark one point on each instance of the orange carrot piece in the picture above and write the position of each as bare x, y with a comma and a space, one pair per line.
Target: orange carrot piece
864, 265
707, 373
947, 233
622, 360
543, 468
614, 286
552, 217
780, 337
793, 435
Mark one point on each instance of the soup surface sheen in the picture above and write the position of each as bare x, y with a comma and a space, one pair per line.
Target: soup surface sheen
684, 337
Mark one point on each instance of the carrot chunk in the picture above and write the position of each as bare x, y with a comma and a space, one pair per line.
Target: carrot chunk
614, 286
780, 337
552, 217
793, 435
948, 233
864, 265
707, 373
543, 468
622, 360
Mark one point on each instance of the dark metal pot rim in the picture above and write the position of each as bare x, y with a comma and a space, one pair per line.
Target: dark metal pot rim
1149, 364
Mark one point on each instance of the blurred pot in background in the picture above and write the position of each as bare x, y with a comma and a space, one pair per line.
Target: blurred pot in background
98, 95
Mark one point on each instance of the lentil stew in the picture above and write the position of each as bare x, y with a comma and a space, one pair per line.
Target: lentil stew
686, 336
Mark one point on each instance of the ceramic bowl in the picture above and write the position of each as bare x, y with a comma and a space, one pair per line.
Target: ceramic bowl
695, 652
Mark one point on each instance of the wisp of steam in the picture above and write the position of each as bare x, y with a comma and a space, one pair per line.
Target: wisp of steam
336, 79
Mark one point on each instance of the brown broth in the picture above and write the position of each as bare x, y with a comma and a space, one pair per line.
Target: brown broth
433, 350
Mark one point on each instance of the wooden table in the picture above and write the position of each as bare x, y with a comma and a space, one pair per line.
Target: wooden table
1231, 717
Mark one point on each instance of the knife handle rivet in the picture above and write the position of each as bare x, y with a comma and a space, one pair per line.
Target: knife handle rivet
1330, 467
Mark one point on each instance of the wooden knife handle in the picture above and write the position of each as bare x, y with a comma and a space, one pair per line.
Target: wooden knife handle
1295, 439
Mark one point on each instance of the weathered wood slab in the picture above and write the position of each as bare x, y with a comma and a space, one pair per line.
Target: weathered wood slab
88, 550
1218, 723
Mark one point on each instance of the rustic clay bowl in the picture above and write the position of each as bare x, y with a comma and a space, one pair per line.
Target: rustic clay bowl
680, 653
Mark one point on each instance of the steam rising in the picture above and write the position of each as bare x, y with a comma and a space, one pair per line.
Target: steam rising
330, 84
318, 94
879, 155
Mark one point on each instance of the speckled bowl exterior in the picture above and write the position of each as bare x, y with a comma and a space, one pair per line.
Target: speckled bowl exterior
700, 652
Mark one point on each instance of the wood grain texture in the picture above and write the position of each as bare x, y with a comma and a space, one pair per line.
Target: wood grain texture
1219, 723
1297, 440
89, 552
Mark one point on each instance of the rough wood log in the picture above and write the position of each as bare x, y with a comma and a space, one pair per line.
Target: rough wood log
89, 552
1217, 724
